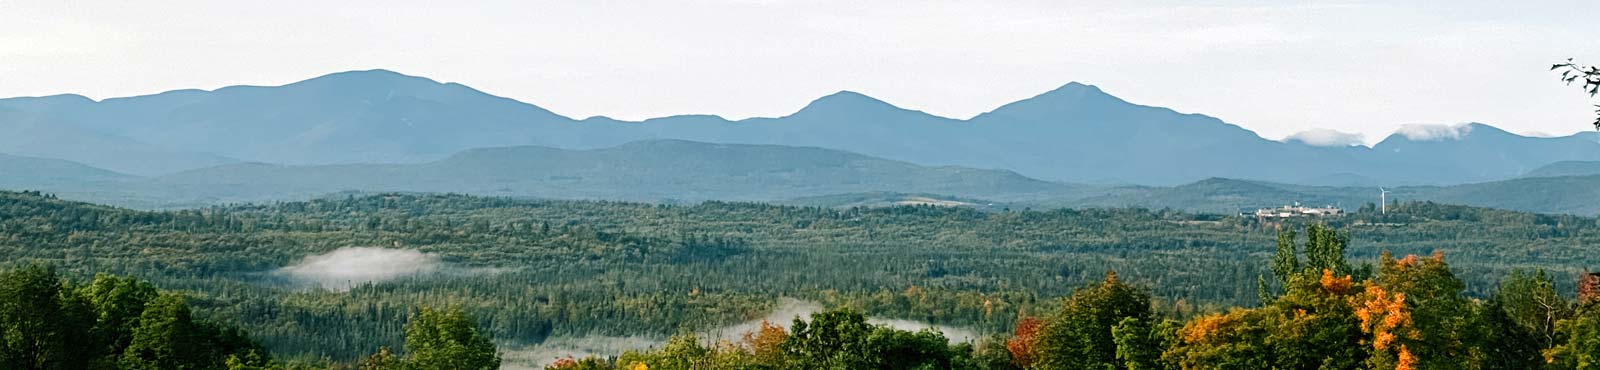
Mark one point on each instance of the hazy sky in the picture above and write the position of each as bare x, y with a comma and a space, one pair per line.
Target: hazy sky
1364, 67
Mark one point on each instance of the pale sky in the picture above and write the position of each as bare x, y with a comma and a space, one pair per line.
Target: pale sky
1275, 67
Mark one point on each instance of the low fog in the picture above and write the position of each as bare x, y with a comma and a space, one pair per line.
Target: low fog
536, 357
347, 267
789, 308
539, 355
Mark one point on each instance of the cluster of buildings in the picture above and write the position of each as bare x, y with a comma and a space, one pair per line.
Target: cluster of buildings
1297, 210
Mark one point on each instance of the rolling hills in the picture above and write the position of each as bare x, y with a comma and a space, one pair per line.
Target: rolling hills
675, 171
1566, 168
656, 171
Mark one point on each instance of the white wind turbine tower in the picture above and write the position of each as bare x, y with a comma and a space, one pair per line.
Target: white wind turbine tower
1383, 201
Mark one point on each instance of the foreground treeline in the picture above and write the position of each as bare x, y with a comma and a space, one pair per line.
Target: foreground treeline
115, 323
1319, 313
109, 323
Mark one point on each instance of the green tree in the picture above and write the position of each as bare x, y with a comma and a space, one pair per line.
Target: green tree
834, 339
1509, 345
843, 339
447, 340
682, 352
1579, 345
991, 354
1313, 325
1139, 344
1286, 261
1079, 335
1532, 303
253, 360
1325, 249
168, 338
385, 359
42, 325
892, 349
117, 303
1448, 328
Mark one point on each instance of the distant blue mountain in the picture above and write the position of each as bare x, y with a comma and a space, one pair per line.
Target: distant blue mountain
683, 171
29, 173
1566, 168
1076, 133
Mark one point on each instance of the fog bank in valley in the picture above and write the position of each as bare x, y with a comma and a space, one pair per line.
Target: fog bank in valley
538, 355
343, 268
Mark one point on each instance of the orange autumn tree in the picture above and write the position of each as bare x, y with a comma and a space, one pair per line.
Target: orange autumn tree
765, 344
1385, 317
1416, 311
1311, 325
1023, 344
1234, 340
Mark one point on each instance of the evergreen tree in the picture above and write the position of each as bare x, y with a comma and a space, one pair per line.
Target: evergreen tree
1325, 249
1286, 261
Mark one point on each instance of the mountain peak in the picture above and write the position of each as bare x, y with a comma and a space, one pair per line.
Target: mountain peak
367, 78
1061, 102
1077, 87
1075, 90
846, 102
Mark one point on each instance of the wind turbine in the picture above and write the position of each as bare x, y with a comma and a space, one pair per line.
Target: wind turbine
1383, 201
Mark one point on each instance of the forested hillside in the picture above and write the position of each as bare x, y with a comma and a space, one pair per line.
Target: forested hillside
531, 271
683, 172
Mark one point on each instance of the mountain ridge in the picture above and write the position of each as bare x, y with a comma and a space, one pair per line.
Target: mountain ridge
1074, 133
677, 171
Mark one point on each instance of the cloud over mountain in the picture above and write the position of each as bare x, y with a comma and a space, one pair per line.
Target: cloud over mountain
1327, 138
1434, 132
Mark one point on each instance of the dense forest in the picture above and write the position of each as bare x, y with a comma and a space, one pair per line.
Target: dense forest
1408, 314
527, 271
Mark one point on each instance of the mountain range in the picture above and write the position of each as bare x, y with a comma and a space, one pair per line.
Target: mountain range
673, 171
1074, 134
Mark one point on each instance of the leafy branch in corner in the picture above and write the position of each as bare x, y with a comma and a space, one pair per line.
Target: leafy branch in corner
1589, 76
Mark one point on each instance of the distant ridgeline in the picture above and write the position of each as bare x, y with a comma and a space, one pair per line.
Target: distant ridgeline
683, 172
537, 272
1076, 133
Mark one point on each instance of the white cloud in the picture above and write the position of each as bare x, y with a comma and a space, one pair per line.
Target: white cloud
344, 268
1425, 132
1326, 137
